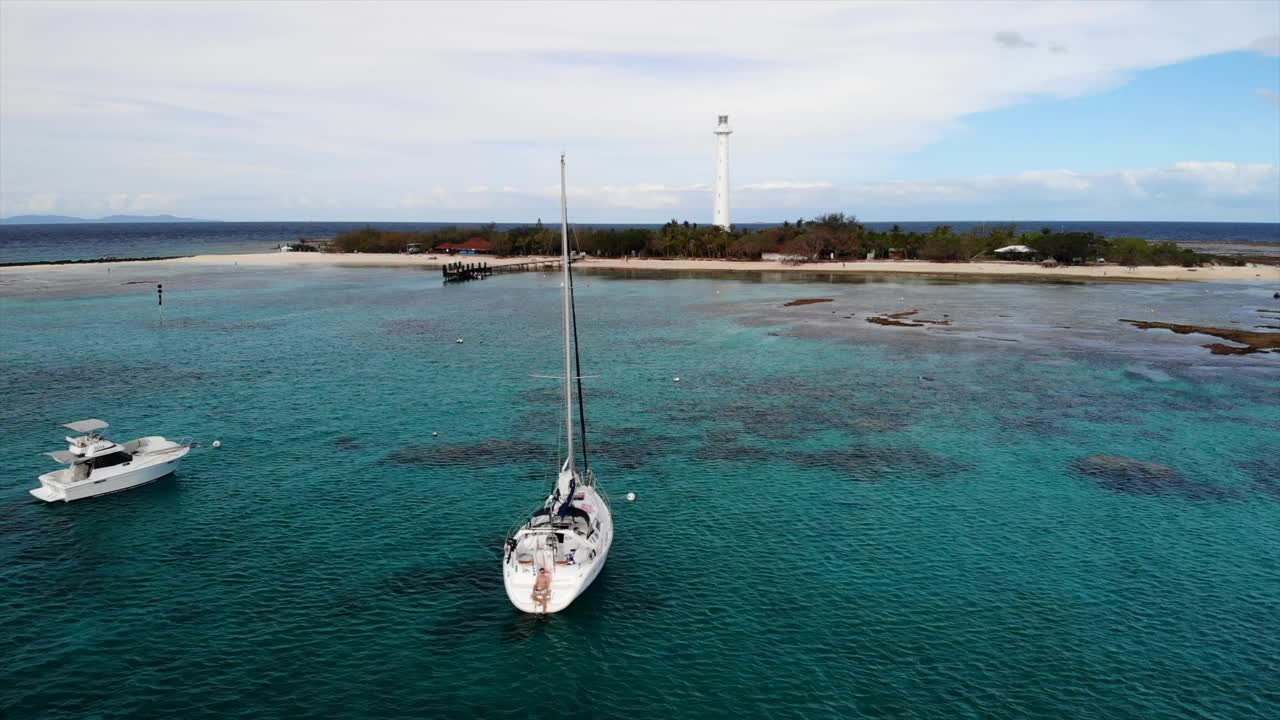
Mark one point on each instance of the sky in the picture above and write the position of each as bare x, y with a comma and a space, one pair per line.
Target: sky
404, 111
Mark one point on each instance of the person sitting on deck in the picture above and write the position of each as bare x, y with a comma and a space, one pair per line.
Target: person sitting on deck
542, 589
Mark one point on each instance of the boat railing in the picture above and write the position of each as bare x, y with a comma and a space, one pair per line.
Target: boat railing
182, 444
590, 475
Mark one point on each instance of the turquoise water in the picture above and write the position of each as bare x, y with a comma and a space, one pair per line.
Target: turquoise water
834, 518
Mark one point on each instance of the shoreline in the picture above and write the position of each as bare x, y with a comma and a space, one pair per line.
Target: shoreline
91, 261
975, 270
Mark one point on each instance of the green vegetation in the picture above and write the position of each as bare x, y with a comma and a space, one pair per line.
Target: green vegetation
376, 240
1133, 251
834, 235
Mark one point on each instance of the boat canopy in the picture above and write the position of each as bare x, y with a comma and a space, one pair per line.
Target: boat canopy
89, 425
63, 456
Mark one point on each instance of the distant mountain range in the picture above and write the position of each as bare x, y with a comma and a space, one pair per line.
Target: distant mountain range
67, 219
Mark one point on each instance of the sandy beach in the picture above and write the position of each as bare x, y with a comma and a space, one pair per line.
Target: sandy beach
1264, 274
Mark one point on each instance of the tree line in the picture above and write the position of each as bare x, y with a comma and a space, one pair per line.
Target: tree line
831, 236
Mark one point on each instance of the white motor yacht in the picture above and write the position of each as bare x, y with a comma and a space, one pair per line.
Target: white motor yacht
98, 466
552, 557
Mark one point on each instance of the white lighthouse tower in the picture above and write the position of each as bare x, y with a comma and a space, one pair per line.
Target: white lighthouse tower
720, 215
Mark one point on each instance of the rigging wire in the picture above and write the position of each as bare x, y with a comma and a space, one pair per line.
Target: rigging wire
577, 360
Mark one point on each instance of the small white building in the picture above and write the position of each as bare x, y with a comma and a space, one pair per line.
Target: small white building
1015, 250
781, 257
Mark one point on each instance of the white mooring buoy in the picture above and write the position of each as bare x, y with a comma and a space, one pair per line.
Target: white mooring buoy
435, 434
631, 497
675, 379
217, 443
458, 341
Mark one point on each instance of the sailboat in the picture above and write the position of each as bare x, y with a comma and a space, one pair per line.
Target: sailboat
555, 554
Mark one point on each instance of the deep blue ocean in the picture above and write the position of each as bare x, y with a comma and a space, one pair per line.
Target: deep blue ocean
37, 243
1035, 511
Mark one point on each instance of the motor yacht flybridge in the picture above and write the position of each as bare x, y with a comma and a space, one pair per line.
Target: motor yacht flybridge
98, 466
553, 556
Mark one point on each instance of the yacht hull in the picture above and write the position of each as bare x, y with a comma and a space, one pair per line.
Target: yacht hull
54, 489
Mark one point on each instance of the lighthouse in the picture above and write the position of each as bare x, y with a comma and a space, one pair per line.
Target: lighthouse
720, 214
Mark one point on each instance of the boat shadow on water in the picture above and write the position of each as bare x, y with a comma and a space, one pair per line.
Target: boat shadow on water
465, 600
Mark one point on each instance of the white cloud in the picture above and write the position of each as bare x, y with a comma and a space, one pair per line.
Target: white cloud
787, 185
206, 164
1184, 190
1214, 188
90, 205
1269, 45
139, 202
378, 106
29, 204
1189, 180
1061, 180
1013, 40
629, 197
1216, 179
1218, 190
1266, 94
151, 202
437, 197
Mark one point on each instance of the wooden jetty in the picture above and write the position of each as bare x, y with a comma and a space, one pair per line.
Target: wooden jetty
459, 272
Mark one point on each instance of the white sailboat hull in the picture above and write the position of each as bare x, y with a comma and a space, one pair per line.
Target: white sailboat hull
568, 580
563, 591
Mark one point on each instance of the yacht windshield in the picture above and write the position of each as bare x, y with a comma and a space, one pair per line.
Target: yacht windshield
111, 460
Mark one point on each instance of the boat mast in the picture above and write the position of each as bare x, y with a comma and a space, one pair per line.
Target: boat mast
568, 355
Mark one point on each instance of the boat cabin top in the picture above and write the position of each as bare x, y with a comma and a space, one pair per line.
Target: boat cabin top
575, 519
91, 445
